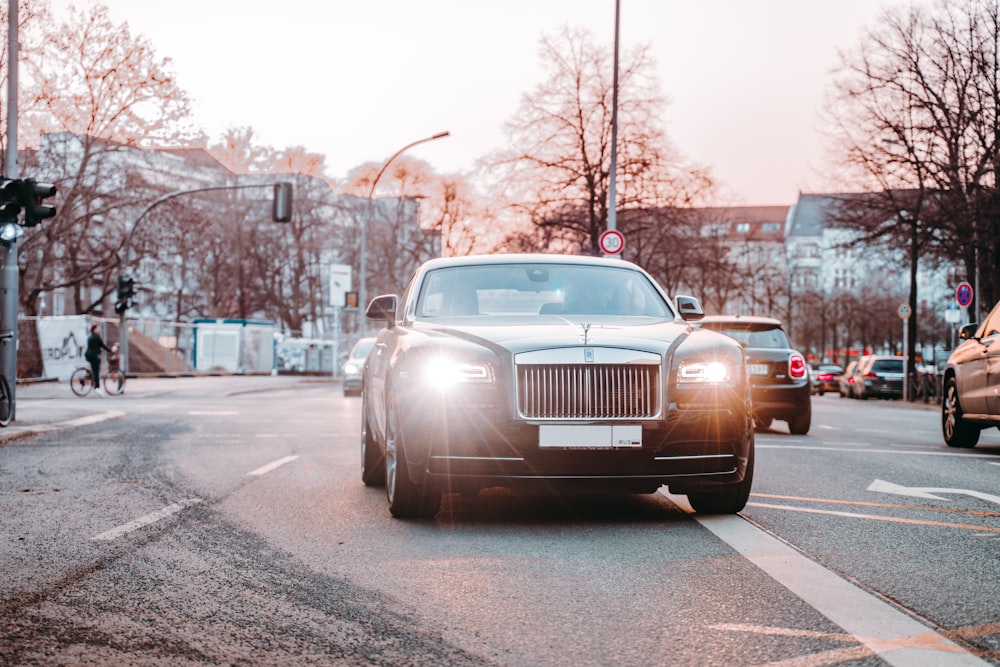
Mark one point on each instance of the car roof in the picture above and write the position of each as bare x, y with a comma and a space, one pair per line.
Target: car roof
525, 258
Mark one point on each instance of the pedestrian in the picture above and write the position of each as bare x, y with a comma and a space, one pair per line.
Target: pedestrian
93, 354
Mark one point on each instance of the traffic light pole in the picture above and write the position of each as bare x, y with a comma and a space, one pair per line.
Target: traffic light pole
9, 277
281, 212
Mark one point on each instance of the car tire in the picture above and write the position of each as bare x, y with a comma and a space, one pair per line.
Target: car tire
799, 424
406, 499
372, 459
728, 500
762, 423
956, 431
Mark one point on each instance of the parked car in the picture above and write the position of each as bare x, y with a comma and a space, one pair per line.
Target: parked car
353, 367
845, 383
826, 378
972, 383
779, 377
554, 374
879, 376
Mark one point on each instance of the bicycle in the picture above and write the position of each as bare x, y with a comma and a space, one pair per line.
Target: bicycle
82, 380
6, 396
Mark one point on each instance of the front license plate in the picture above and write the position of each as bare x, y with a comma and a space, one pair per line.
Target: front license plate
757, 369
590, 436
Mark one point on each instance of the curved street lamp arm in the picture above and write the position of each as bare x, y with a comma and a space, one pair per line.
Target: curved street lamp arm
385, 165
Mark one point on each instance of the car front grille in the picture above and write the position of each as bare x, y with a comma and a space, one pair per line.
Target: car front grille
588, 391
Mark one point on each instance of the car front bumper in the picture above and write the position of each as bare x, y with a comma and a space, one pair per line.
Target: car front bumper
464, 446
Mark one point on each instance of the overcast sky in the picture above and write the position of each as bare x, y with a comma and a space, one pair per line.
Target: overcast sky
357, 80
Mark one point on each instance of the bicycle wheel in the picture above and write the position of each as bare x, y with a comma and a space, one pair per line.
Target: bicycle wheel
81, 382
6, 402
114, 382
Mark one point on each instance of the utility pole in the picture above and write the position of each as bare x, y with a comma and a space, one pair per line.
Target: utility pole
8, 249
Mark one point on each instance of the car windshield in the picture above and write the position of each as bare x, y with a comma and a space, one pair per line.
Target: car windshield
533, 289
759, 337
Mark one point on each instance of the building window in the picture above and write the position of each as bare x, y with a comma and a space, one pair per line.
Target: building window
742, 227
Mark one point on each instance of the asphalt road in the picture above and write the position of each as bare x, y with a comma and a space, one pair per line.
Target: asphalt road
223, 521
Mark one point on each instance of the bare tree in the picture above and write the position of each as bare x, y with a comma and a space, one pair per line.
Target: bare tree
556, 173
916, 110
90, 91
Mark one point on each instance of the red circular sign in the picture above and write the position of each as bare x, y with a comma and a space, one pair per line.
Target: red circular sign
612, 242
964, 294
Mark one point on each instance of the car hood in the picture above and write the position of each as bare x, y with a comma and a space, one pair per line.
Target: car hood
521, 335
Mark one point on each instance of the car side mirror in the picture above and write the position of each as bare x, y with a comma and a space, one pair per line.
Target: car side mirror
689, 307
968, 331
383, 308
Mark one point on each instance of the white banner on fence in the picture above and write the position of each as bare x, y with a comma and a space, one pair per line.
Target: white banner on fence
63, 340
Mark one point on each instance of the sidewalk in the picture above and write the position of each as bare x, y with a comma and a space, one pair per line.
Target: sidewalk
43, 407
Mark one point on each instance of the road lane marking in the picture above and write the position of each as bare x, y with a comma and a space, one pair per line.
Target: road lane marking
877, 517
143, 521
891, 634
929, 493
868, 503
263, 470
213, 413
908, 452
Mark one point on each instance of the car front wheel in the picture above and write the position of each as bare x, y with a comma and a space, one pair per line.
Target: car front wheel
406, 499
728, 500
957, 432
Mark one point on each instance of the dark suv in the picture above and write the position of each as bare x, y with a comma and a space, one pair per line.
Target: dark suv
972, 383
779, 378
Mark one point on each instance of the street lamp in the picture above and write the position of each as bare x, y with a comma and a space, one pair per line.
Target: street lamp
362, 291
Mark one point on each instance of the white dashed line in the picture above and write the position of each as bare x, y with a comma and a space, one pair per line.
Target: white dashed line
141, 522
263, 470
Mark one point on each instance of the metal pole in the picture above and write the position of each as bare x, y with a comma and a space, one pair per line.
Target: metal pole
370, 214
612, 195
9, 274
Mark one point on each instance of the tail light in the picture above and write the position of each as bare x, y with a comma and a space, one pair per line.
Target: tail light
796, 366
871, 375
825, 377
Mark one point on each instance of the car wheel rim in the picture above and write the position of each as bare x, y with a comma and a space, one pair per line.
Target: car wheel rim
949, 412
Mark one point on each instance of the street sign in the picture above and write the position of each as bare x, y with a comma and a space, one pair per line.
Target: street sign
340, 283
952, 315
904, 311
612, 242
963, 294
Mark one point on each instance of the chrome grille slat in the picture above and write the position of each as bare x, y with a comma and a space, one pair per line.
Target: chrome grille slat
588, 391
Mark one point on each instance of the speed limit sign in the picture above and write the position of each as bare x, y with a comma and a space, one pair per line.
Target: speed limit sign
612, 242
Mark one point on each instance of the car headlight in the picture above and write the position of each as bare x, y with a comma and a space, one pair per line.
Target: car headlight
351, 369
443, 373
704, 372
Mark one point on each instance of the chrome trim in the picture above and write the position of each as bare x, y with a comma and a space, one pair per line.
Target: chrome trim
692, 458
602, 391
477, 458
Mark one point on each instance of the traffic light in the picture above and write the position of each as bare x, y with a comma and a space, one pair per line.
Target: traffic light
9, 204
281, 207
126, 288
32, 196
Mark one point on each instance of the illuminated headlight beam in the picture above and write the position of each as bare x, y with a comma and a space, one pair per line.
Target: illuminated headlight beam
710, 372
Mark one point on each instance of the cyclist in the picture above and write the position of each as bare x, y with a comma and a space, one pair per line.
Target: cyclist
93, 355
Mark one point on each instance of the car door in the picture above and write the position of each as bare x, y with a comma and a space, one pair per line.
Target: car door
971, 361
991, 343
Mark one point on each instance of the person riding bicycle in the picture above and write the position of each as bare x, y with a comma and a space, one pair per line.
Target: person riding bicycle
93, 354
